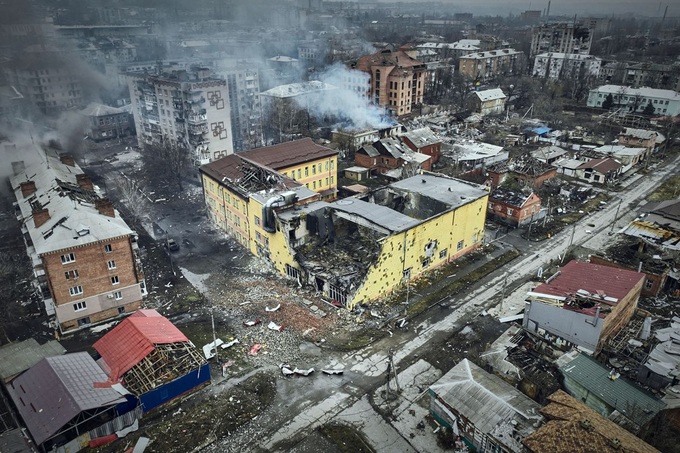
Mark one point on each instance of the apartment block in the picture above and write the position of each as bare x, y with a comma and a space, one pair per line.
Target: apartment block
397, 80
560, 66
635, 100
243, 84
183, 108
491, 64
85, 257
562, 37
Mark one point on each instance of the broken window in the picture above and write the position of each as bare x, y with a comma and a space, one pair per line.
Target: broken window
426, 262
649, 284
430, 247
443, 253
292, 272
460, 245
510, 211
407, 274
257, 221
68, 258
71, 274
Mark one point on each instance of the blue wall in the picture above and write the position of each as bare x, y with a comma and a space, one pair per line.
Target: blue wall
172, 390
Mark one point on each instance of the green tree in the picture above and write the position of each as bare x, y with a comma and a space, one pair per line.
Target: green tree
649, 109
608, 102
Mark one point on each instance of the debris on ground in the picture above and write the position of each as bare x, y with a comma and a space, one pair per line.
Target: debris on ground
251, 323
273, 326
270, 310
255, 349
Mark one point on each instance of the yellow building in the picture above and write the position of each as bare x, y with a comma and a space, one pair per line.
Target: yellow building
303, 161
354, 250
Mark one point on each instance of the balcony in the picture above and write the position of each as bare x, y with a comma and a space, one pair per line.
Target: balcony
197, 119
198, 129
153, 119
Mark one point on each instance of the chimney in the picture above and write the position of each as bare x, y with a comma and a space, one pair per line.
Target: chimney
40, 216
105, 207
27, 188
67, 159
84, 182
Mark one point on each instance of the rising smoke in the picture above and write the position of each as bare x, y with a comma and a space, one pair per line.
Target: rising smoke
348, 101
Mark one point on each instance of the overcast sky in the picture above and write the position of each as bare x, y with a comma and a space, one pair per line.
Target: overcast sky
648, 8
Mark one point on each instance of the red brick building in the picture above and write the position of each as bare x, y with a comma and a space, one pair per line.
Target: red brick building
513, 208
86, 258
390, 157
527, 170
424, 141
397, 79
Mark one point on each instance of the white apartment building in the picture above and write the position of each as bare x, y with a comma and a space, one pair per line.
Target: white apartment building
186, 108
558, 66
665, 102
243, 84
564, 37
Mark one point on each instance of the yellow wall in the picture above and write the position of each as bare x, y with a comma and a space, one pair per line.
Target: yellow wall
227, 209
465, 224
317, 175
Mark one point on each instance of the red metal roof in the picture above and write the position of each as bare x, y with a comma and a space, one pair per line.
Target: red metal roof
593, 278
134, 338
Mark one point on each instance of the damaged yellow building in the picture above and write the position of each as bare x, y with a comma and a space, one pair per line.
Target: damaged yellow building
354, 250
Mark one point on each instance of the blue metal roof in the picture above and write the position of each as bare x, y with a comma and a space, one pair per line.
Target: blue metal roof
539, 130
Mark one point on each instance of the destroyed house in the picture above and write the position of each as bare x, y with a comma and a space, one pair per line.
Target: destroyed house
390, 157
514, 208
489, 413
659, 225
424, 141
572, 427
85, 257
358, 249
583, 304
527, 170
65, 402
152, 358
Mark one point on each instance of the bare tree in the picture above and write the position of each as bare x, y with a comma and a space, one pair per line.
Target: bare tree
135, 201
166, 163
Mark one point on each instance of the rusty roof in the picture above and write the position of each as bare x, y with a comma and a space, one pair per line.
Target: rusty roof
575, 428
287, 154
390, 58
596, 279
604, 165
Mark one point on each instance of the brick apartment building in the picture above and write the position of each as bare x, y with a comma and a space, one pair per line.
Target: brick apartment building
491, 64
397, 79
85, 257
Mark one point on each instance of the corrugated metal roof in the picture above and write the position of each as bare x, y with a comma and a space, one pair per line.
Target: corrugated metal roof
57, 389
631, 400
484, 399
381, 216
575, 275
18, 357
450, 191
134, 338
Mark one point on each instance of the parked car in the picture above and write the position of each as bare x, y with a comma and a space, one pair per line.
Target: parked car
172, 245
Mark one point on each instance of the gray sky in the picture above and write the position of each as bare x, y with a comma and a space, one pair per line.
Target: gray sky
648, 8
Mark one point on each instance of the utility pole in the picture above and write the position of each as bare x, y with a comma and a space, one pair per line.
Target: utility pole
571, 241
212, 320
545, 219
616, 216
505, 284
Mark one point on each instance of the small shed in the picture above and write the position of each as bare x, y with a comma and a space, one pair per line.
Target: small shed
357, 173
153, 358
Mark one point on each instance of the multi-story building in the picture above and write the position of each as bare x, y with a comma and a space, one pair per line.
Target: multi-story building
302, 166
635, 100
243, 83
559, 66
397, 80
105, 122
46, 81
561, 37
183, 108
491, 64
487, 102
653, 75
353, 250
85, 257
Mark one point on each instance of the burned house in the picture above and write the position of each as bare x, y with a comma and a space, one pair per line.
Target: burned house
583, 304
572, 427
527, 170
423, 140
152, 358
358, 249
514, 207
392, 158
661, 366
659, 225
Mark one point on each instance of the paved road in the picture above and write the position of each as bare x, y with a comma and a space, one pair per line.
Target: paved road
368, 365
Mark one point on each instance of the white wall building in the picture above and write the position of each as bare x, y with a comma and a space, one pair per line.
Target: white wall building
665, 102
186, 108
558, 66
